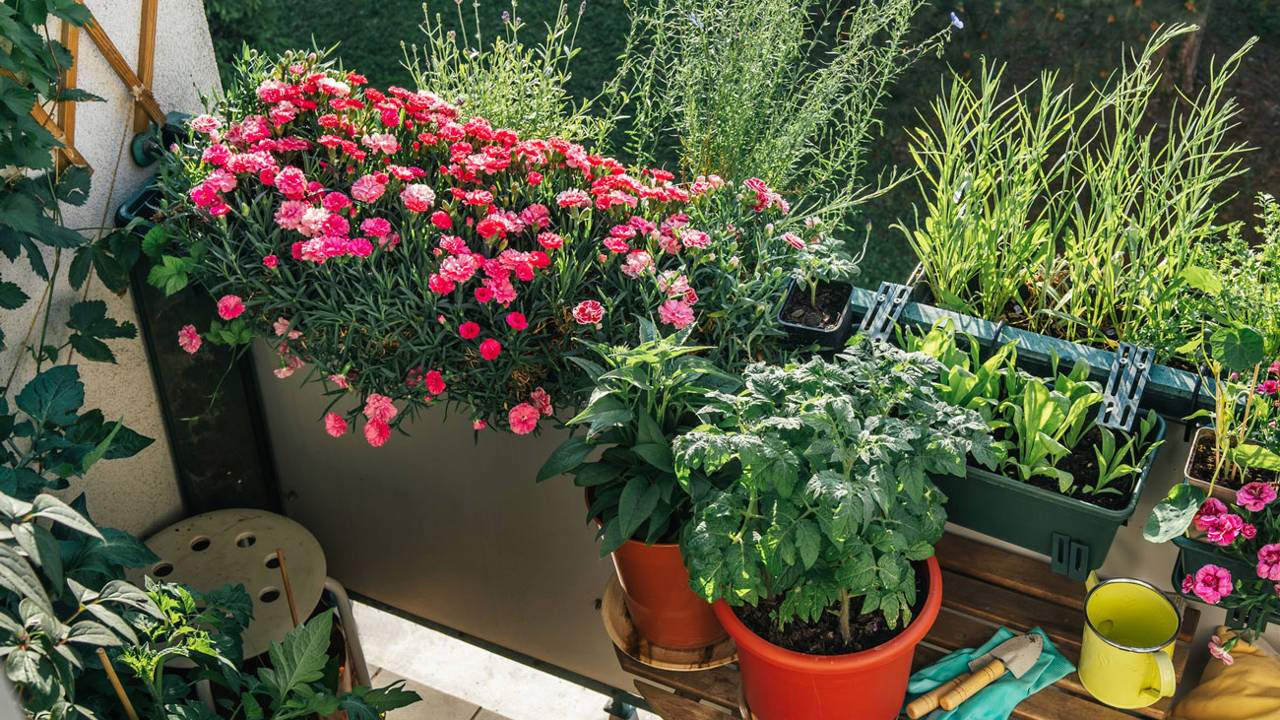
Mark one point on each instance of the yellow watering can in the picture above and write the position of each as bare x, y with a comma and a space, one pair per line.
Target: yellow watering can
1126, 659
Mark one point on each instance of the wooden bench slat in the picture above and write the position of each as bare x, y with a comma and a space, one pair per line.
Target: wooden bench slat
718, 685
670, 705
1002, 568
1015, 611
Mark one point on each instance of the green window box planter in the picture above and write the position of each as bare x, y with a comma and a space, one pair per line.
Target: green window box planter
1171, 392
1075, 534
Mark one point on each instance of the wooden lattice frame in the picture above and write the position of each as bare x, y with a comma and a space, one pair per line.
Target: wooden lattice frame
146, 110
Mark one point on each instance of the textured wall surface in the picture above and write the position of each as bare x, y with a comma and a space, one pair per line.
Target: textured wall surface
139, 494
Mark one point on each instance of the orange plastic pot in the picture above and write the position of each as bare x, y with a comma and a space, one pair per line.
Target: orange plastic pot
781, 684
655, 585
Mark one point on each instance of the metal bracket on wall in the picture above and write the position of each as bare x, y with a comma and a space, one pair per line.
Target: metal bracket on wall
618, 710
1129, 373
1069, 557
882, 316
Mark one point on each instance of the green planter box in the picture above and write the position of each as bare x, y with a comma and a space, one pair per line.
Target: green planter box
1170, 392
1075, 534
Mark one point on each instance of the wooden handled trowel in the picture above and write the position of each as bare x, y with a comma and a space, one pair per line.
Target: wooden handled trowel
1017, 655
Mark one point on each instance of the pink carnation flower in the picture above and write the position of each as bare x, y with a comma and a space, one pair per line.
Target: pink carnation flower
1255, 496
523, 418
541, 400
1208, 513
379, 407
517, 321
418, 197
1212, 583
376, 432
490, 349
339, 380
1224, 529
435, 382
367, 189
479, 424
1269, 562
230, 307
468, 330
270, 261
588, 312
676, 313
793, 240
1216, 650
335, 425
188, 339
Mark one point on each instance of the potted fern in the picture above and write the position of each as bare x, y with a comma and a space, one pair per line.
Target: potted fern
819, 555
641, 398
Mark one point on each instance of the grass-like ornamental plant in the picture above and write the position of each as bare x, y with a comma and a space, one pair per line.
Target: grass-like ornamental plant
416, 255
1065, 213
642, 397
833, 501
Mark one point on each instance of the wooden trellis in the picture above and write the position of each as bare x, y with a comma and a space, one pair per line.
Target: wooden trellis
63, 122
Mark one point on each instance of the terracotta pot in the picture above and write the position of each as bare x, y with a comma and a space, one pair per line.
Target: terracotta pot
782, 684
655, 587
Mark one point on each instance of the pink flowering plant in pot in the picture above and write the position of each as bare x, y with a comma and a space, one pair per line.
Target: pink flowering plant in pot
411, 256
1237, 563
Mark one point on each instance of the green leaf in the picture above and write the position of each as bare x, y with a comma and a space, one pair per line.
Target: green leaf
41, 548
300, 659
51, 508
89, 632
1238, 348
1202, 279
170, 275
53, 396
638, 501
154, 242
808, 542
1255, 456
657, 454
569, 455
101, 448
53, 234
604, 413
11, 296
1173, 514
73, 185
16, 575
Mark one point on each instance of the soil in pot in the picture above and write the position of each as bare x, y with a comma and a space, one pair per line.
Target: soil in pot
1203, 463
821, 310
823, 637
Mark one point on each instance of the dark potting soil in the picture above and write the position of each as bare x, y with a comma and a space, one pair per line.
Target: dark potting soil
821, 310
823, 637
1203, 463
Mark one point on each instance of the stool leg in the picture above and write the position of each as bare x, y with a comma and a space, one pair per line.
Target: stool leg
619, 710
359, 667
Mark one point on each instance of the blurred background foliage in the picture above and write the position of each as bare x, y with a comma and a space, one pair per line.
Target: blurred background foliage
1083, 39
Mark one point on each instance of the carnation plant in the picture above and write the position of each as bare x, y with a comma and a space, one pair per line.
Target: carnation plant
642, 397
1248, 531
832, 502
414, 255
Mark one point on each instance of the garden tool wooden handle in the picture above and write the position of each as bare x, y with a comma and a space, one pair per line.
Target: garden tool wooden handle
927, 702
972, 684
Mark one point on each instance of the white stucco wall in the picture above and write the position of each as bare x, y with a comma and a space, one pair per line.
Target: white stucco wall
139, 494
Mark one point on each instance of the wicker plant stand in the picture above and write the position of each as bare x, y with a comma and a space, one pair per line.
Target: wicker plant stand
984, 587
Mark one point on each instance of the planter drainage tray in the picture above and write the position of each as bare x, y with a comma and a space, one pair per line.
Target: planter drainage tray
982, 587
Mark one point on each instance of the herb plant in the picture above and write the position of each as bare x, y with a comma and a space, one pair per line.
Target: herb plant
513, 85
1065, 213
1038, 425
833, 500
786, 90
642, 398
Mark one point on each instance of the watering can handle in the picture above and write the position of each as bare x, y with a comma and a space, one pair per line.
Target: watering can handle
1167, 679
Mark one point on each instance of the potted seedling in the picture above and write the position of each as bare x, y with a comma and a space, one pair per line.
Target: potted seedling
819, 555
643, 396
1057, 473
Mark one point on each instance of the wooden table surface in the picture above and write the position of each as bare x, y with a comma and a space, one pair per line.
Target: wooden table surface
984, 587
